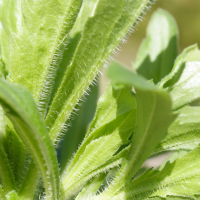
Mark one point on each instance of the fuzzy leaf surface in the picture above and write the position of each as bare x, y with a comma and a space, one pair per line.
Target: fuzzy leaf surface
113, 124
158, 50
102, 33
38, 47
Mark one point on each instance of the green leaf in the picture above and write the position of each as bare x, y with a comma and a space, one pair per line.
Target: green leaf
87, 10
180, 178
30, 182
101, 34
16, 151
183, 132
173, 157
37, 49
154, 116
23, 113
12, 196
2, 66
6, 169
2, 194
183, 81
78, 127
6, 173
158, 50
113, 124
10, 23
187, 88
171, 198
91, 188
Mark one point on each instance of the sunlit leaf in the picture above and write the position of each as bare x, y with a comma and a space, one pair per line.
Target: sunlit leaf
159, 49
183, 132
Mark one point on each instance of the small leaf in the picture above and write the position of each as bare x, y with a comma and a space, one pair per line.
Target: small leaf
22, 111
183, 81
88, 7
188, 54
158, 50
183, 132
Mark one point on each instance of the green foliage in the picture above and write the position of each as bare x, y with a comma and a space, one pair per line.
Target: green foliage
51, 54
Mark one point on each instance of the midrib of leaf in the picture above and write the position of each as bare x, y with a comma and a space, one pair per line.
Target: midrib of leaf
140, 147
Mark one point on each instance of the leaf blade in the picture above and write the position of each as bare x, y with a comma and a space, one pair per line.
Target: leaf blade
159, 49
22, 111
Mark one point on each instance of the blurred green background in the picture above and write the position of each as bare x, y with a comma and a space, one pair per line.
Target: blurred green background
187, 16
